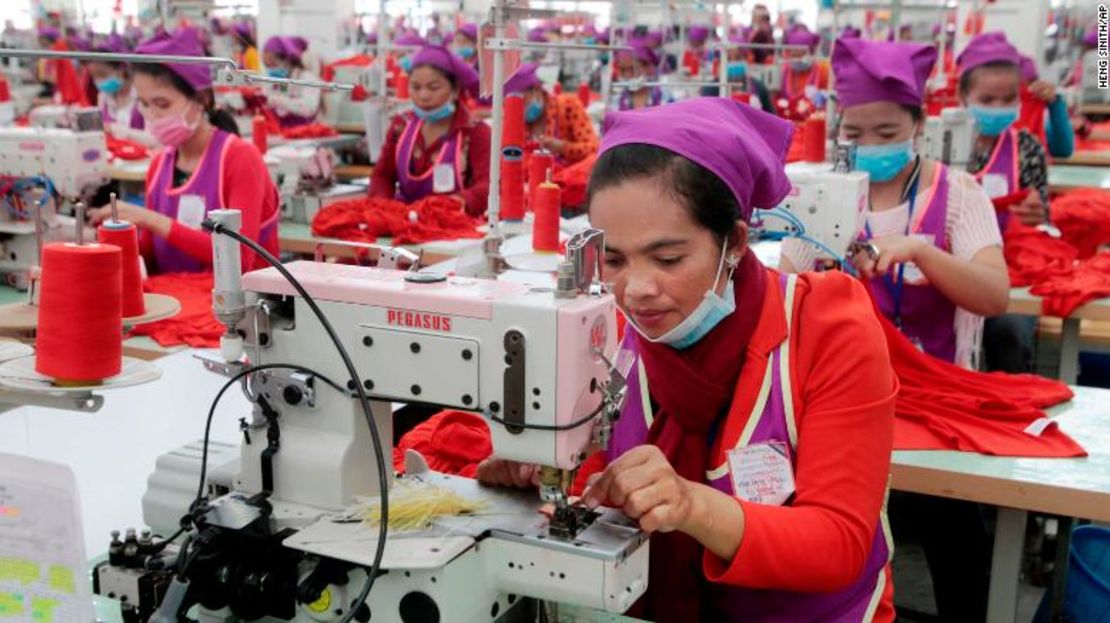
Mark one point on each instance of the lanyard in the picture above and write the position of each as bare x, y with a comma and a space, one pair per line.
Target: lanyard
895, 288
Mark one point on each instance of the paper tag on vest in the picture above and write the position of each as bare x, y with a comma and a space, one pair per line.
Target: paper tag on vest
762, 473
443, 179
995, 185
190, 211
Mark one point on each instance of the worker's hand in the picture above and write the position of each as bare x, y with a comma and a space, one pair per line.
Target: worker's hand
892, 250
138, 215
1043, 90
1031, 211
503, 473
643, 484
553, 145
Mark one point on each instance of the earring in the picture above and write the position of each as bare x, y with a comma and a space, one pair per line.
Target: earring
732, 261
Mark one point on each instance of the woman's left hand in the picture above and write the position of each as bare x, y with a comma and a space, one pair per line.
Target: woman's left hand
643, 484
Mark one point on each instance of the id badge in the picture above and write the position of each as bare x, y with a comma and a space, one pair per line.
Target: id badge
190, 211
995, 185
762, 473
443, 179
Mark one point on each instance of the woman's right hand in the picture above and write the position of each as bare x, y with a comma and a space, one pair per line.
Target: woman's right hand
505, 473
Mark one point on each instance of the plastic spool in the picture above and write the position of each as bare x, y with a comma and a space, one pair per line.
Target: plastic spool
80, 330
258, 133
402, 86
541, 162
545, 227
512, 125
512, 188
125, 236
814, 137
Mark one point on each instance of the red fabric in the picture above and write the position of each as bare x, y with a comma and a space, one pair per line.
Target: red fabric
358, 60
367, 219
452, 442
1083, 217
1004, 203
125, 149
1031, 118
68, 89
247, 187
942, 406
195, 325
311, 130
573, 181
1062, 293
1032, 256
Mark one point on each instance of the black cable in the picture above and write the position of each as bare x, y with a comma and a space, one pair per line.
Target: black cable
379, 454
550, 427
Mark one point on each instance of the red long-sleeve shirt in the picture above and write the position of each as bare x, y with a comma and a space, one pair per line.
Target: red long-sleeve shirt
247, 187
475, 153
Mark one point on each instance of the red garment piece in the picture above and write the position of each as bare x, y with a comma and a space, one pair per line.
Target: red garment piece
1032, 255
367, 219
1083, 217
195, 325
126, 149
942, 406
311, 130
67, 86
358, 60
452, 442
574, 180
1066, 291
1031, 118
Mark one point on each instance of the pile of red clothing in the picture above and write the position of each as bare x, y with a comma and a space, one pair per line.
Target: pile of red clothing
367, 219
1083, 217
311, 130
125, 149
195, 325
574, 180
452, 442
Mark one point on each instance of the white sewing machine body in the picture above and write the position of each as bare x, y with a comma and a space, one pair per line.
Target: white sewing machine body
305, 176
949, 137
73, 161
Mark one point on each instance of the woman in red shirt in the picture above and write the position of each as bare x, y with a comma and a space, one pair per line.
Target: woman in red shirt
737, 456
437, 148
559, 123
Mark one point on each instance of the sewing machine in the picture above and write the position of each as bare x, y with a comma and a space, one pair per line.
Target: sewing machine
831, 204
280, 543
949, 137
305, 176
50, 169
339, 108
769, 74
78, 118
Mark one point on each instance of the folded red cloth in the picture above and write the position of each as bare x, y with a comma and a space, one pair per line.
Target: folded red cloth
125, 149
195, 325
367, 219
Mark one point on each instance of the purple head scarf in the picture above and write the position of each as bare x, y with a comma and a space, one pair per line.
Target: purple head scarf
697, 34
443, 60
184, 42
989, 47
523, 78
800, 35
113, 44
470, 31
1028, 69
881, 71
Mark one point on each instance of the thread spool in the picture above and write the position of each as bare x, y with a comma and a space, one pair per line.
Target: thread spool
512, 188
402, 86
584, 93
80, 326
814, 137
258, 134
545, 226
542, 161
126, 236
512, 125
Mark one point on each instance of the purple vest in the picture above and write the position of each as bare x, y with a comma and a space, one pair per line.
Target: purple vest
927, 316
411, 187
205, 182
1004, 161
655, 99
773, 421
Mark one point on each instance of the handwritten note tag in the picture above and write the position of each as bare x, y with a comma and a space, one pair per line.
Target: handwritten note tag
762, 473
995, 185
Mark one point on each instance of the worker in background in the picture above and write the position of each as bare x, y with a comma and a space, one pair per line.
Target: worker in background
466, 43
636, 67
1053, 124
292, 105
437, 148
246, 48
412, 40
117, 98
48, 38
802, 75
1006, 161
763, 33
938, 271
696, 37
559, 123
204, 166
736, 66
742, 365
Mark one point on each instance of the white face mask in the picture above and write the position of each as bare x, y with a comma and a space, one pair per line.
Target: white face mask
708, 314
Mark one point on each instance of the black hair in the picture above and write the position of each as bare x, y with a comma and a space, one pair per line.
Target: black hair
217, 117
916, 112
966, 77
705, 195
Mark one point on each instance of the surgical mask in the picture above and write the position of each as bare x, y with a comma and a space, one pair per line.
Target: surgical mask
406, 64
436, 114
172, 130
465, 51
883, 162
591, 40
708, 314
993, 121
801, 66
533, 111
111, 86
277, 72
737, 70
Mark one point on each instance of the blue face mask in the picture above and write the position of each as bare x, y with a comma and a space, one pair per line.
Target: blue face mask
111, 86
465, 51
436, 114
708, 314
277, 72
993, 121
591, 40
801, 66
737, 70
533, 111
883, 162
406, 64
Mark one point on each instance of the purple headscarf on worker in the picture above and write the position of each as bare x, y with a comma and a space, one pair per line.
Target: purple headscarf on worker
1028, 69
442, 59
537, 35
1090, 38
744, 147
523, 78
79, 43
243, 32
989, 47
641, 52
881, 71
49, 32
113, 44
184, 42
470, 31
410, 39
697, 34
288, 48
851, 32
800, 35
